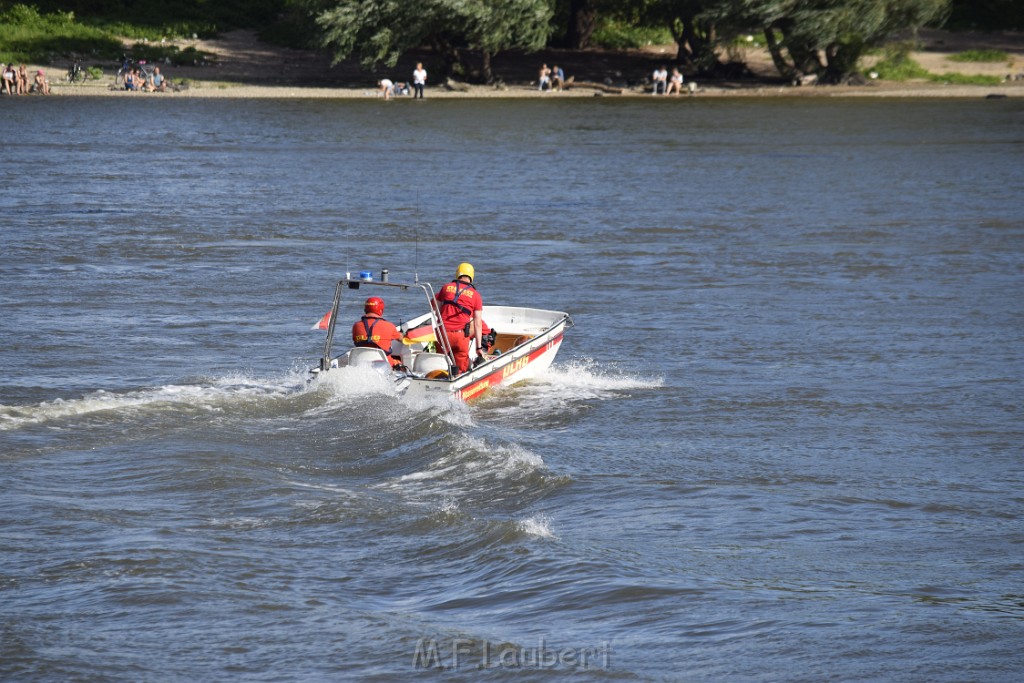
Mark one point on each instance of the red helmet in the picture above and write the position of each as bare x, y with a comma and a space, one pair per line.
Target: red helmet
374, 305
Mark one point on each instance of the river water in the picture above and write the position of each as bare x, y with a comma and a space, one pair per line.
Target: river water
782, 442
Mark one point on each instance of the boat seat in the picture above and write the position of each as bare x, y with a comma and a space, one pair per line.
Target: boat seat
364, 355
428, 362
505, 342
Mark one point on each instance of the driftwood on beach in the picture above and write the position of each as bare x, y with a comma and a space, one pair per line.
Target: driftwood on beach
571, 83
456, 86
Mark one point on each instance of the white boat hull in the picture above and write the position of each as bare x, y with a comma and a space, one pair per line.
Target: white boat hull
527, 341
535, 354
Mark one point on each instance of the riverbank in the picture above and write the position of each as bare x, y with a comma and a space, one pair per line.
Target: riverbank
241, 66
215, 89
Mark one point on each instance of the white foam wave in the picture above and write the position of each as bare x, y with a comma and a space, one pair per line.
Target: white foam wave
470, 461
239, 523
538, 525
216, 395
356, 381
563, 385
587, 375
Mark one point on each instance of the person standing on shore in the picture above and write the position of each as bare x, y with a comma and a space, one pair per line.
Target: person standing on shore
419, 79
461, 309
22, 80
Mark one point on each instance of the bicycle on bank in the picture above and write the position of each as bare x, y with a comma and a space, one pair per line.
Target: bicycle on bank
77, 74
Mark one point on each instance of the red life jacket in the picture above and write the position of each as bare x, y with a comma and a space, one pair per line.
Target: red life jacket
450, 298
368, 339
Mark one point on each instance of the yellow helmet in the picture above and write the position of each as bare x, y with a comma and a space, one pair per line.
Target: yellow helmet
464, 269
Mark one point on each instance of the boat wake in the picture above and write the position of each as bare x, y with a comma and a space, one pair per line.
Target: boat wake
238, 394
586, 378
554, 396
228, 394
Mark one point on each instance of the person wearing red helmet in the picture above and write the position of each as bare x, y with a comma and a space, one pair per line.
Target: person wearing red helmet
461, 309
374, 331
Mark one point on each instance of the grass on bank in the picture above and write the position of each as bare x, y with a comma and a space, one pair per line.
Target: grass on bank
28, 35
980, 56
897, 65
615, 35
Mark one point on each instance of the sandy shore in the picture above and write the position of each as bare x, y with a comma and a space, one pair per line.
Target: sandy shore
246, 68
213, 89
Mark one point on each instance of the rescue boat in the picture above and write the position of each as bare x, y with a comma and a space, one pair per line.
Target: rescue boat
523, 344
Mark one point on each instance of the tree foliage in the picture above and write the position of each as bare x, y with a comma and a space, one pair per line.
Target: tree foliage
693, 27
378, 32
825, 37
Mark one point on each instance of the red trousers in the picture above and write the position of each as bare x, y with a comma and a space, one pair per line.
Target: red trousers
459, 344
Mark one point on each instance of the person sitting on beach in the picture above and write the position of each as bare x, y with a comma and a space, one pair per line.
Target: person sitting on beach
156, 82
129, 81
386, 86
675, 83
544, 78
557, 77
41, 85
660, 78
8, 78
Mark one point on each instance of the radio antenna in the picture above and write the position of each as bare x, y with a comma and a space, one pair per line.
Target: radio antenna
416, 235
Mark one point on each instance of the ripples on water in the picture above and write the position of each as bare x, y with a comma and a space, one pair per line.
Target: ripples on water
782, 441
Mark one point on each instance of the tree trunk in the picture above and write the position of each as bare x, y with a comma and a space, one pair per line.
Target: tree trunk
449, 56
582, 22
485, 71
684, 54
701, 39
784, 68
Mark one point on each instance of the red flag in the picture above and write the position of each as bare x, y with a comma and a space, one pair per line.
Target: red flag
323, 323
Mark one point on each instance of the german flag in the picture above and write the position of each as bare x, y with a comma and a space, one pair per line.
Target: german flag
420, 335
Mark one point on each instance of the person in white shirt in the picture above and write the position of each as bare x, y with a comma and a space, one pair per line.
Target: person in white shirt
387, 86
660, 78
675, 84
419, 79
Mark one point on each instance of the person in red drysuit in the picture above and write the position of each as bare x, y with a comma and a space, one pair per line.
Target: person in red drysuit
374, 331
461, 309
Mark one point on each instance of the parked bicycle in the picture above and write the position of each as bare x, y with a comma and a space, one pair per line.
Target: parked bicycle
77, 74
127, 64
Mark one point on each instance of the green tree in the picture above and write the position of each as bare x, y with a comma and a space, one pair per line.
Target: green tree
825, 37
378, 32
692, 27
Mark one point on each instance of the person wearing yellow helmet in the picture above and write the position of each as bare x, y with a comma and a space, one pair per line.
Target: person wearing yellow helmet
374, 331
461, 308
